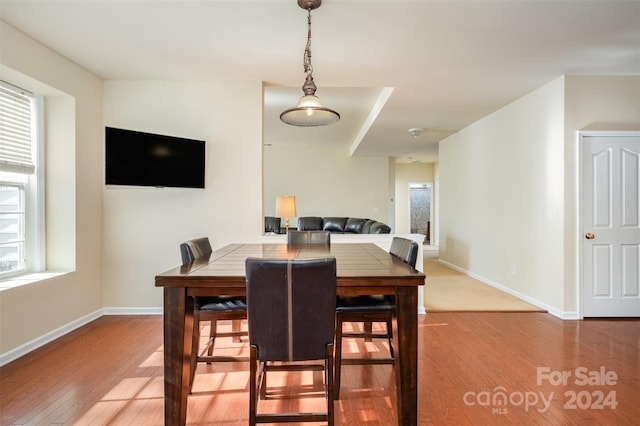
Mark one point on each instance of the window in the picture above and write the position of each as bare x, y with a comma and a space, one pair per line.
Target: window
21, 213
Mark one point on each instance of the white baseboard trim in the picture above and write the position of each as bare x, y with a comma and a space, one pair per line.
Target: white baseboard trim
566, 315
553, 311
24, 349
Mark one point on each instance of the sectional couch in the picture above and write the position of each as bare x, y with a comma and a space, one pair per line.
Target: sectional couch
342, 225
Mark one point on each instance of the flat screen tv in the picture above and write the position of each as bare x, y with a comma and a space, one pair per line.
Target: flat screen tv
146, 159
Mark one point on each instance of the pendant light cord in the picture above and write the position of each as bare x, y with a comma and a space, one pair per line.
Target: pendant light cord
309, 87
308, 68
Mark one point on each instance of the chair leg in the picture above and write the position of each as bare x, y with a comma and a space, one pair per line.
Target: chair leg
329, 383
213, 332
390, 334
367, 327
262, 380
236, 326
338, 358
253, 394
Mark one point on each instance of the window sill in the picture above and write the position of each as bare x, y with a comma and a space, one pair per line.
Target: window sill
25, 279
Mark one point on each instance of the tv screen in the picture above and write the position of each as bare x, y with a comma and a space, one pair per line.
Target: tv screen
146, 159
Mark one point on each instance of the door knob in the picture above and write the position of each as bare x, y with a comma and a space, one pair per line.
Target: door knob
589, 236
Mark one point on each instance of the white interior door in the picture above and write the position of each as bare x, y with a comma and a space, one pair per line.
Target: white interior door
611, 224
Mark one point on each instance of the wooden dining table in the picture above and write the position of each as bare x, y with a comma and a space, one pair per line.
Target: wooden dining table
361, 269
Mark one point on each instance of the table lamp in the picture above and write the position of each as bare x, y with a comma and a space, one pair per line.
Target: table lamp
286, 208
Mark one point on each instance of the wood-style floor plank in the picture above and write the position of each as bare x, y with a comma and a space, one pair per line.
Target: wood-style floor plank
109, 372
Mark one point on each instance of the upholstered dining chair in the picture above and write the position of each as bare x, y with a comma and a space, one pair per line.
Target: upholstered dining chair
308, 237
291, 308
212, 309
368, 309
272, 225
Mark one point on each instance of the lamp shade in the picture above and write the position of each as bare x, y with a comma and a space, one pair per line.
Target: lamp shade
286, 206
309, 113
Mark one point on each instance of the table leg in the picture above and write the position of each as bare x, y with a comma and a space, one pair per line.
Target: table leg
178, 329
405, 332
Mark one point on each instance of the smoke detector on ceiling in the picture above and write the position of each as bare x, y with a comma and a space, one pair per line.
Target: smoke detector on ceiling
415, 132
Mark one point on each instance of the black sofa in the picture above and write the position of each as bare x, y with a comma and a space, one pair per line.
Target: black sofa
342, 225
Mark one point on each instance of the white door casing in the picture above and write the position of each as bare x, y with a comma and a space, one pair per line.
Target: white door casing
610, 217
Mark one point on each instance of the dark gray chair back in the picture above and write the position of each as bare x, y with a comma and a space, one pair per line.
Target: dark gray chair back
195, 249
272, 224
308, 237
405, 249
291, 307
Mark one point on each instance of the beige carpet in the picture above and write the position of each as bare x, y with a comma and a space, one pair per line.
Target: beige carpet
449, 290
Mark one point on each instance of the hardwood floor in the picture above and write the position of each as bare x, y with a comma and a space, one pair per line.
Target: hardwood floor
110, 372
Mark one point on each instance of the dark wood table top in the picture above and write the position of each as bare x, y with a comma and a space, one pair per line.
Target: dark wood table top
357, 264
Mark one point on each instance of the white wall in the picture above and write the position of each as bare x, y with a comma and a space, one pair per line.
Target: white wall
501, 204
73, 198
326, 182
592, 103
143, 227
508, 187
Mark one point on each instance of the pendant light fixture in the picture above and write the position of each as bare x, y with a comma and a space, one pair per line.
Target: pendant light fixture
309, 112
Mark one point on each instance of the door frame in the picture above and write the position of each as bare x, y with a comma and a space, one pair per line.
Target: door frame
581, 135
430, 186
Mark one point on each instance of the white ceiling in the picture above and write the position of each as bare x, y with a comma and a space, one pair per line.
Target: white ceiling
439, 65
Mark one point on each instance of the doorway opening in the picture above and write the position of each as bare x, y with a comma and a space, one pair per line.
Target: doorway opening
420, 209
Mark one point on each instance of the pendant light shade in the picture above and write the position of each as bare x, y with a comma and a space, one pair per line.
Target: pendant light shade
309, 112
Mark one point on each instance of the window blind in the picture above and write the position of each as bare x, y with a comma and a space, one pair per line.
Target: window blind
15, 130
